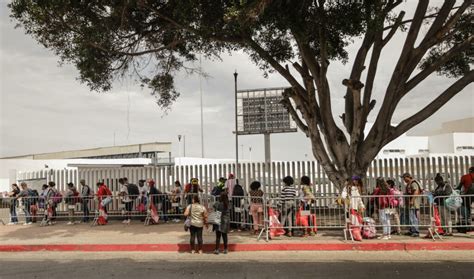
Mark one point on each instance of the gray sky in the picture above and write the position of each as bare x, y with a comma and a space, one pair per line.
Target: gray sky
43, 108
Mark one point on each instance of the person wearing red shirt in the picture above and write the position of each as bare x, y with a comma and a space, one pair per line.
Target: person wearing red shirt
466, 187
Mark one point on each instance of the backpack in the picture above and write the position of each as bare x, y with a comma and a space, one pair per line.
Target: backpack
34, 196
57, 197
238, 191
133, 190
216, 191
420, 188
454, 201
368, 230
394, 199
76, 197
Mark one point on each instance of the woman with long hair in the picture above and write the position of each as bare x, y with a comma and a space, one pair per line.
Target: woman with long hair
256, 205
382, 194
198, 215
223, 227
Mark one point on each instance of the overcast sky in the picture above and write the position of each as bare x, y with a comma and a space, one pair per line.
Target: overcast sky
43, 108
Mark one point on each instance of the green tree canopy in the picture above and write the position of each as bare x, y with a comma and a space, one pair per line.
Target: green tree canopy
297, 39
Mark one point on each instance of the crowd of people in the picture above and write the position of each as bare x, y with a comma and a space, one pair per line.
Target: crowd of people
292, 213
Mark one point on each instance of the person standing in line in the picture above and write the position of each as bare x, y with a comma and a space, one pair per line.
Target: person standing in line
198, 215
13, 203
86, 197
442, 191
104, 196
128, 203
222, 229
413, 190
288, 196
72, 196
192, 190
466, 187
176, 198
256, 205
353, 203
230, 184
396, 204
382, 193
25, 195
143, 190
52, 202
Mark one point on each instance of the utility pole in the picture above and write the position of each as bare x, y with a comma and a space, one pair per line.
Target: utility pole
237, 171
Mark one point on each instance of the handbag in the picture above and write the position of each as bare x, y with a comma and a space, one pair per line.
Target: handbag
187, 222
215, 217
106, 201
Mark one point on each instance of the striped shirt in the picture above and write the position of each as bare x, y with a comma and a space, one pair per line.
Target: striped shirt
288, 193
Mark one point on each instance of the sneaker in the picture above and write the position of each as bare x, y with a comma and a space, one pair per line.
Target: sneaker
225, 251
124, 221
216, 252
415, 235
193, 252
70, 223
27, 223
200, 252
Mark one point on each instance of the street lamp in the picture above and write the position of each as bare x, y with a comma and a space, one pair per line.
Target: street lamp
237, 171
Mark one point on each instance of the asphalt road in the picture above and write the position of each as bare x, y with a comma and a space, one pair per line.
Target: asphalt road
254, 265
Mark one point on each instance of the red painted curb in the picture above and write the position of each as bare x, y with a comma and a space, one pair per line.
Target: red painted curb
387, 246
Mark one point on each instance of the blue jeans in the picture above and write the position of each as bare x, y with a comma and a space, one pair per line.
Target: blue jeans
26, 210
385, 219
414, 221
85, 210
14, 218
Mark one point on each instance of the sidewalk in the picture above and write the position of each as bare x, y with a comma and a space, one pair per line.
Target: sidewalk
172, 237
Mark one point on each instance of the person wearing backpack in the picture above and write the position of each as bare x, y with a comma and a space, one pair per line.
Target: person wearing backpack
53, 197
26, 198
219, 188
105, 198
442, 191
396, 201
382, 193
34, 204
126, 200
467, 188
414, 191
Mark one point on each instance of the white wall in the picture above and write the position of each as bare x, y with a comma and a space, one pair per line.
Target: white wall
442, 143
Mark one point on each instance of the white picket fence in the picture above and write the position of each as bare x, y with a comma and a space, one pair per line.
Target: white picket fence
270, 175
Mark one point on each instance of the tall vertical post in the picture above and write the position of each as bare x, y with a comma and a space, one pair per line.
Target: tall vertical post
268, 158
202, 116
237, 171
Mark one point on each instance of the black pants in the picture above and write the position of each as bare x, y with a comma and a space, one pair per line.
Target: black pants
195, 232
85, 209
218, 239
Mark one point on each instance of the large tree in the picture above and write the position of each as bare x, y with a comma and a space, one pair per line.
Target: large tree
296, 39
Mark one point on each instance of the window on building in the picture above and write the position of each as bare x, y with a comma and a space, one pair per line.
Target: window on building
465, 147
423, 151
394, 151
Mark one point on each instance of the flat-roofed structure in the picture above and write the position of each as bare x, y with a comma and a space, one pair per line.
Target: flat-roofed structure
153, 150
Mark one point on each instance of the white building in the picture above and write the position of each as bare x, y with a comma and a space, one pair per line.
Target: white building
454, 138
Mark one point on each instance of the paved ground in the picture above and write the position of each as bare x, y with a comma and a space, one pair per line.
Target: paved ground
137, 233
433, 264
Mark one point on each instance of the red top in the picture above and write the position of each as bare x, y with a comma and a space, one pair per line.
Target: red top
466, 181
103, 191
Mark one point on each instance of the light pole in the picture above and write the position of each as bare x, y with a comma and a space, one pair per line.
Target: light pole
237, 174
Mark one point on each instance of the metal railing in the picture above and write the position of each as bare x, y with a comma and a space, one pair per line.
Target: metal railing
268, 216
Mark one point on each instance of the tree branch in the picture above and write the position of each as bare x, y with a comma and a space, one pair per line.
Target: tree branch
434, 106
413, 82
